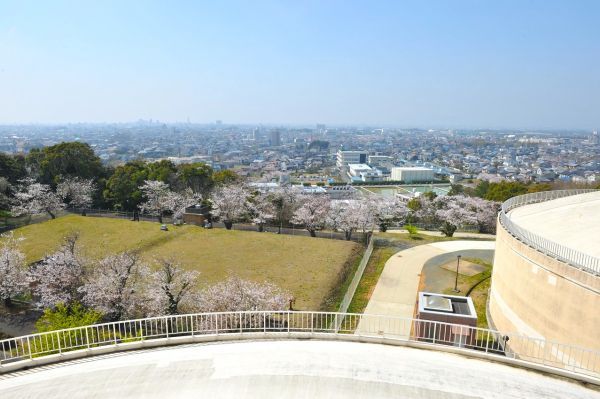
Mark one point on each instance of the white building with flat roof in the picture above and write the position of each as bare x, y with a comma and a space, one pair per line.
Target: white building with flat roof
347, 157
363, 172
412, 174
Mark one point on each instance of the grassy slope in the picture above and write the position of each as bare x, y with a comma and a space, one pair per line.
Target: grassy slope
307, 267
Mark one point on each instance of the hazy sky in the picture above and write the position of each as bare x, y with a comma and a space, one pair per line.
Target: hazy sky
448, 63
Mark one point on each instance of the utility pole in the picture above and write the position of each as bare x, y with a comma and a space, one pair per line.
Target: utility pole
456, 278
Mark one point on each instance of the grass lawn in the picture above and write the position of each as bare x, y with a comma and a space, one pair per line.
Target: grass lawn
369, 279
312, 269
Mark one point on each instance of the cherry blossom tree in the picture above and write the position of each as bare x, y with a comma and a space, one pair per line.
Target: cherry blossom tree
262, 210
157, 195
286, 200
229, 204
312, 213
366, 220
59, 276
453, 212
423, 210
235, 294
116, 286
388, 211
486, 213
170, 287
34, 198
177, 203
349, 216
13, 276
77, 192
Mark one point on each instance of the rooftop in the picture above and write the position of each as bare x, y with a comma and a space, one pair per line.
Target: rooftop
290, 369
572, 221
411, 168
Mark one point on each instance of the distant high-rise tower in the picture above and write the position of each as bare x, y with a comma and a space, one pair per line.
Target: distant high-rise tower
274, 138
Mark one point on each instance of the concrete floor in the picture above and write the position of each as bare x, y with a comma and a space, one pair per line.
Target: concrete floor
563, 220
286, 369
396, 291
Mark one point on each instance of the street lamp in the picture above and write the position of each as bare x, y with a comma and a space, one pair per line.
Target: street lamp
456, 279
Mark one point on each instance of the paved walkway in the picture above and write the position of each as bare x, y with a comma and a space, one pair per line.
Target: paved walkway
285, 369
396, 291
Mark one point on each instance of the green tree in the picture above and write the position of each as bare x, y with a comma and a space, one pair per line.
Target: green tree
62, 316
456, 189
225, 177
164, 171
67, 159
122, 188
430, 195
196, 176
504, 190
482, 188
536, 188
12, 167
414, 204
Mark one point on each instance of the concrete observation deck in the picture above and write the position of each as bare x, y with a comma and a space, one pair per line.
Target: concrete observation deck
285, 369
572, 221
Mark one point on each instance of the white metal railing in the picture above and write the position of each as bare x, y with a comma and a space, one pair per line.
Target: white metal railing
289, 324
573, 257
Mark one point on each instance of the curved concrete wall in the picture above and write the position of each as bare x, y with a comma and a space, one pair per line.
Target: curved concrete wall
539, 296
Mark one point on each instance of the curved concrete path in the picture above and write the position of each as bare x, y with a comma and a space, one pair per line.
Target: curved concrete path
396, 291
285, 369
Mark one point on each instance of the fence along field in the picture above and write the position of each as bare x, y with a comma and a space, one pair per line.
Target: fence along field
309, 268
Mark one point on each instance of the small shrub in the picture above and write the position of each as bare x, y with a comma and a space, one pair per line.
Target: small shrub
413, 231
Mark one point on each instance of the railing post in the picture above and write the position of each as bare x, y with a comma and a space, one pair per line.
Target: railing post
115, 333
29, 346
167, 325
265, 322
240, 322
335, 326
288, 321
59, 346
87, 337
434, 331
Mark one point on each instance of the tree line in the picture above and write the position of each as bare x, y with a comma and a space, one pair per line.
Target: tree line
116, 188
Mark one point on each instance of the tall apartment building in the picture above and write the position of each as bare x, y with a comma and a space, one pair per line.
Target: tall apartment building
274, 138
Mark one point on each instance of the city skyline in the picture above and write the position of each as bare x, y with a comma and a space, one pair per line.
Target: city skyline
432, 65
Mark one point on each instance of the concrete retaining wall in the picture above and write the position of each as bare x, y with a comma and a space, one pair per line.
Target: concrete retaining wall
539, 296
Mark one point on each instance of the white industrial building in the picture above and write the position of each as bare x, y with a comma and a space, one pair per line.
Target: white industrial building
363, 172
347, 157
412, 174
